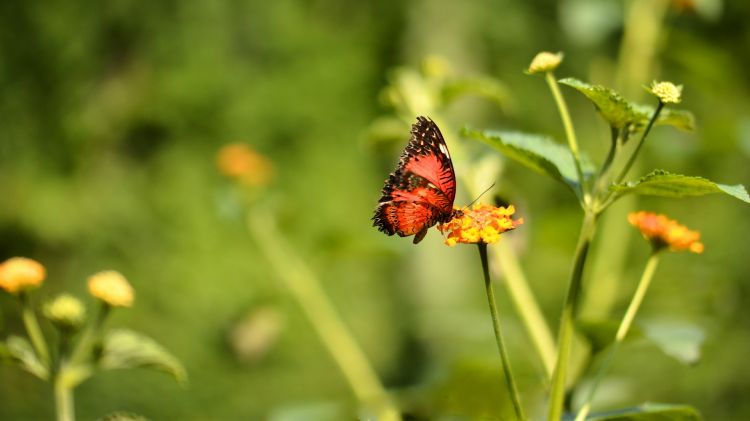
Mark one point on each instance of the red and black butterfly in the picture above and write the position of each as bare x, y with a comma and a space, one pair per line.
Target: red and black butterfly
420, 193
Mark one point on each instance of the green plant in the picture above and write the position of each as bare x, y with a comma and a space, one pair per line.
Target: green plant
80, 348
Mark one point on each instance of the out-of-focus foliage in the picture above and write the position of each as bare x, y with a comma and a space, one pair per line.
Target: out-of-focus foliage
111, 116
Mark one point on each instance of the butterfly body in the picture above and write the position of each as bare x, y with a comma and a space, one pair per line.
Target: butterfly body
421, 191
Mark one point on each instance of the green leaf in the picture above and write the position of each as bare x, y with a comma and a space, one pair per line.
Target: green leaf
617, 111
681, 119
538, 153
681, 341
128, 349
650, 412
480, 86
663, 183
22, 353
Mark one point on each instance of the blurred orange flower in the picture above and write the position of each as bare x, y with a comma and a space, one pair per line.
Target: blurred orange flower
481, 223
664, 232
19, 273
243, 164
112, 288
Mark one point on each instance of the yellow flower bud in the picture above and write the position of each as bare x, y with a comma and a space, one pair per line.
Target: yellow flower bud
667, 92
66, 312
545, 62
21, 273
112, 288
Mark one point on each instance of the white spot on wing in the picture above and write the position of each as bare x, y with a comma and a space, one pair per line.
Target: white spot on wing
444, 149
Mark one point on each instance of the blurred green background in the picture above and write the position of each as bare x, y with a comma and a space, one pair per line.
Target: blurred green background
111, 115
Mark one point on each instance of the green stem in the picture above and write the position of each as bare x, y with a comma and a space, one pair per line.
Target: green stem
569, 132
565, 336
622, 331
510, 382
634, 155
34, 331
64, 405
305, 288
526, 305
82, 349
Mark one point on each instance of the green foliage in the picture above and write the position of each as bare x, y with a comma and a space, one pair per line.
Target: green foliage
665, 184
122, 349
538, 153
22, 353
618, 112
650, 412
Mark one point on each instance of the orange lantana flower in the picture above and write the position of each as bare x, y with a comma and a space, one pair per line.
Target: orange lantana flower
663, 232
480, 224
243, 164
21, 273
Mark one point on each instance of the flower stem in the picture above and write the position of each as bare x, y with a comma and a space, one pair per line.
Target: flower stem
569, 131
565, 336
305, 288
34, 331
634, 155
622, 331
510, 382
526, 305
83, 347
63, 401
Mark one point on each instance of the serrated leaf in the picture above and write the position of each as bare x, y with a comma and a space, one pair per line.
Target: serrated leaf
650, 412
480, 86
680, 341
665, 184
124, 348
680, 119
539, 153
615, 109
22, 353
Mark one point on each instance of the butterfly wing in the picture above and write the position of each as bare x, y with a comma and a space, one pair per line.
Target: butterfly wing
420, 192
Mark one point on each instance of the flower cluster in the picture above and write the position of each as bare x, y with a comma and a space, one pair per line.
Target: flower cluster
112, 288
243, 164
20, 273
667, 92
482, 223
545, 62
663, 232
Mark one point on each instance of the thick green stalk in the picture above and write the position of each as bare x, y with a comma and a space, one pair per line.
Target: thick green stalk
622, 331
526, 305
565, 336
305, 288
569, 132
33, 330
509, 381
63, 400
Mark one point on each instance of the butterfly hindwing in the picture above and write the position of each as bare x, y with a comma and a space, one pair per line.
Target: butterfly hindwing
420, 192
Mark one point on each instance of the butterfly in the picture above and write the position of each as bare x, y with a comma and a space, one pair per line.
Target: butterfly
420, 192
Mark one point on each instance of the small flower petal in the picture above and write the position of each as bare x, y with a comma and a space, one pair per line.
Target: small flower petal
663, 232
20, 273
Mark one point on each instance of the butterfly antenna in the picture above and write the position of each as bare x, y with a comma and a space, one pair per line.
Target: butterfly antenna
482, 194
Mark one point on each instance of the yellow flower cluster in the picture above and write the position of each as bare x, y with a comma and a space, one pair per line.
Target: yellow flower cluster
21, 273
243, 164
112, 288
545, 62
664, 232
66, 312
667, 92
481, 223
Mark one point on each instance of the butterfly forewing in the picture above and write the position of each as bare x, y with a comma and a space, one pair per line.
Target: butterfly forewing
420, 192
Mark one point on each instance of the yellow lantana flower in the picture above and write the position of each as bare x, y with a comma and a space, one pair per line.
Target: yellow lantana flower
482, 223
545, 62
243, 164
20, 273
663, 232
112, 288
